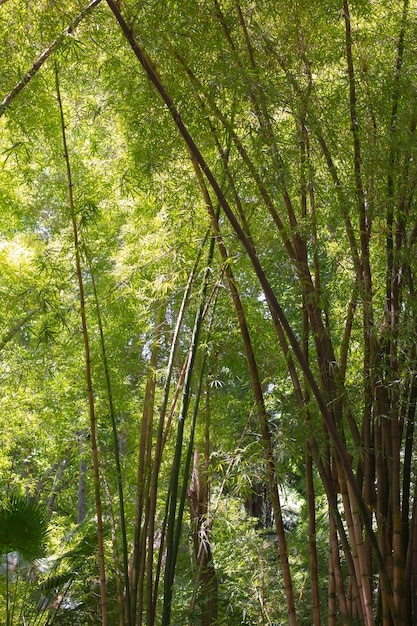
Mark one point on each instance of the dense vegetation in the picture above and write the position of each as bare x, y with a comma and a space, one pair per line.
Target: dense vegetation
208, 234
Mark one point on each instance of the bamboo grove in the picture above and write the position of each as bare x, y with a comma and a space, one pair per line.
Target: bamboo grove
208, 246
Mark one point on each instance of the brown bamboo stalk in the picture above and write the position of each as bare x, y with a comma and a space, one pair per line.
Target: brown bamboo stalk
315, 595
90, 392
355, 542
307, 197
312, 544
328, 482
362, 561
395, 237
411, 565
409, 432
336, 586
154, 77
331, 587
8, 336
366, 284
116, 558
394, 149
396, 425
44, 56
382, 504
257, 388
144, 460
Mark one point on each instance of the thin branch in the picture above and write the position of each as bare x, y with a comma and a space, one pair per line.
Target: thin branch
15, 329
44, 56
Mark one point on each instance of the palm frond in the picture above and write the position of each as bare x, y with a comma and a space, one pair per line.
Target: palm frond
23, 527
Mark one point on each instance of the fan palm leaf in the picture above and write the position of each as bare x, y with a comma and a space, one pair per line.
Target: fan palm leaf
23, 527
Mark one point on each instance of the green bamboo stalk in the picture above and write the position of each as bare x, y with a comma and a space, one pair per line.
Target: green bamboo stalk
143, 479
171, 541
152, 587
115, 445
147, 506
190, 447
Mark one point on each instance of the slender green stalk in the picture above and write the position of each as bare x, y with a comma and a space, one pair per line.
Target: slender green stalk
151, 587
172, 546
190, 448
116, 452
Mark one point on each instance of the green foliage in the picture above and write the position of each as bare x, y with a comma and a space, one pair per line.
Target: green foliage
56, 589
23, 527
265, 91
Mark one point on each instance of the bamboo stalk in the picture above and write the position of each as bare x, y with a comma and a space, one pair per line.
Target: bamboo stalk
260, 404
152, 585
44, 56
144, 463
90, 392
16, 327
322, 402
115, 447
173, 525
